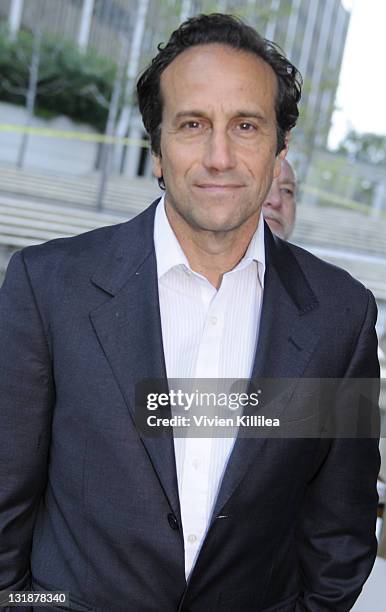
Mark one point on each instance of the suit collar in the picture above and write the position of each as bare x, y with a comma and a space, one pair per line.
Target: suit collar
284, 331
131, 245
281, 258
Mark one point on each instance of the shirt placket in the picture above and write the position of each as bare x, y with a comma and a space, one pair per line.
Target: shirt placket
195, 494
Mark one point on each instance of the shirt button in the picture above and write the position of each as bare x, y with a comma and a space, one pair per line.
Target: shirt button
196, 463
172, 521
192, 538
213, 320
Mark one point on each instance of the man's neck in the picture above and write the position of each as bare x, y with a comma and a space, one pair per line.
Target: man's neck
212, 254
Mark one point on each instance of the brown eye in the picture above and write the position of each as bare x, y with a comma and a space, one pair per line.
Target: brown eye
245, 126
192, 125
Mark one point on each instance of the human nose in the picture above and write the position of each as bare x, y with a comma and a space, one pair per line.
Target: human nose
219, 153
273, 198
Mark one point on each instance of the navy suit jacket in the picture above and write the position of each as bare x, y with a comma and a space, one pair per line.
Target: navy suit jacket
89, 506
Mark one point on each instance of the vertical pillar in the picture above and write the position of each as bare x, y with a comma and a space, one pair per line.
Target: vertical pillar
132, 50
338, 41
136, 44
15, 13
85, 24
321, 54
134, 53
292, 27
273, 19
308, 37
186, 7
378, 199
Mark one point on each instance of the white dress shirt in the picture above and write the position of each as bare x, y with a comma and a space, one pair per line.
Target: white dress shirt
207, 333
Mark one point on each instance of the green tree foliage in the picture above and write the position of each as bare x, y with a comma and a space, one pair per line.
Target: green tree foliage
71, 83
369, 148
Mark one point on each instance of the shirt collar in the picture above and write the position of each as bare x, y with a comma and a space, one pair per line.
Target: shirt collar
169, 253
168, 250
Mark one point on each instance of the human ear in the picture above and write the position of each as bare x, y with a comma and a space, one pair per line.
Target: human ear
281, 155
157, 166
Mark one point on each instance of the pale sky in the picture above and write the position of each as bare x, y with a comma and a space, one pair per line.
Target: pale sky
362, 88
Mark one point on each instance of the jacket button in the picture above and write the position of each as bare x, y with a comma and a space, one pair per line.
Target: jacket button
172, 521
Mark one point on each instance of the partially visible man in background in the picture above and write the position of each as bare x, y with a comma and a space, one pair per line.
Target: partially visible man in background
279, 207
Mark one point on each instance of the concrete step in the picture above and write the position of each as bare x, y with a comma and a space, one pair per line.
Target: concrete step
121, 193
22, 207
370, 270
341, 229
23, 223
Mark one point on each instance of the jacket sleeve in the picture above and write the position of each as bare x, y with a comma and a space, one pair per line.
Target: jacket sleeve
336, 538
26, 400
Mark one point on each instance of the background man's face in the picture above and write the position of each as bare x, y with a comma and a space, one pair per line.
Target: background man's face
279, 208
218, 136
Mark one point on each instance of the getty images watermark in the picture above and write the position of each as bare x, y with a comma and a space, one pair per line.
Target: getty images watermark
286, 408
202, 405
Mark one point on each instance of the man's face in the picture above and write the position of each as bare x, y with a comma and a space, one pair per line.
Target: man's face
218, 136
279, 207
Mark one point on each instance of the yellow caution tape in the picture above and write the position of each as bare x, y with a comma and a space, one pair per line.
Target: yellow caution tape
334, 198
71, 135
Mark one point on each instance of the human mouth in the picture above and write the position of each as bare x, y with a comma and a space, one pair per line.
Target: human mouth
272, 217
215, 187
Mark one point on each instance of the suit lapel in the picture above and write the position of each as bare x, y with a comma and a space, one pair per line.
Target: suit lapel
285, 345
128, 327
286, 339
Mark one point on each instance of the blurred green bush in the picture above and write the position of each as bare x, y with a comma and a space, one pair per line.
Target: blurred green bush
78, 85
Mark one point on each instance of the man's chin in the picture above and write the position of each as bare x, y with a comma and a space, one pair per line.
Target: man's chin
217, 228
218, 225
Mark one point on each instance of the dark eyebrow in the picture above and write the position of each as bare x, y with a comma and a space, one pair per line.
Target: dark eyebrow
190, 113
202, 113
252, 114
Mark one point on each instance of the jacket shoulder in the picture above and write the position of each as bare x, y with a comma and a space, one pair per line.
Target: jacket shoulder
82, 247
85, 250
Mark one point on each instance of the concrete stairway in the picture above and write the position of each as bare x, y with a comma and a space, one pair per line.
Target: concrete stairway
23, 223
348, 239
342, 229
122, 194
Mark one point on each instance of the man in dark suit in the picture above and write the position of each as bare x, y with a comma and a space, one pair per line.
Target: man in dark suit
194, 286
